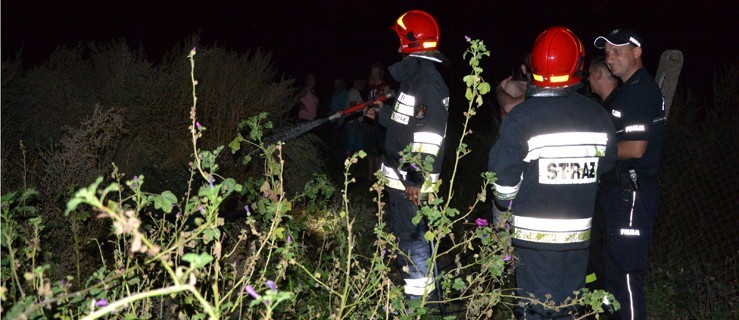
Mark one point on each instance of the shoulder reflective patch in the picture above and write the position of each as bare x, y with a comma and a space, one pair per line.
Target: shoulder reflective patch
406, 110
567, 144
566, 151
635, 128
568, 139
445, 102
406, 99
616, 113
568, 170
400, 118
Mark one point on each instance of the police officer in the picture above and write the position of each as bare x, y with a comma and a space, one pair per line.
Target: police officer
551, 150
629, 193
418, 118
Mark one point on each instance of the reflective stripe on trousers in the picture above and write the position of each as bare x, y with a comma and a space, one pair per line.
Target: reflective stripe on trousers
418, 287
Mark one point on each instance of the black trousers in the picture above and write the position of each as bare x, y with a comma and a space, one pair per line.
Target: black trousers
410, 238
629, 219
553, 273
596, 271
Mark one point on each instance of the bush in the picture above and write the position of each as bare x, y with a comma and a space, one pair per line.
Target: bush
174, 256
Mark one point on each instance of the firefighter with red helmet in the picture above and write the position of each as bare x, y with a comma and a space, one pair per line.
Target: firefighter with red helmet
417, 118
551, 150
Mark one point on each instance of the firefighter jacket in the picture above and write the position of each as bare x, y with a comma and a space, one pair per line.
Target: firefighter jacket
418, 118
551, 150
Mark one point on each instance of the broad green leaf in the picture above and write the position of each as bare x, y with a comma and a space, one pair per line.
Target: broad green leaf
483, 88
235, 144
458, 284
197, 261
429, 236
165, 201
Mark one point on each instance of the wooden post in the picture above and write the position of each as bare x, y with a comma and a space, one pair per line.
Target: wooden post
668, 72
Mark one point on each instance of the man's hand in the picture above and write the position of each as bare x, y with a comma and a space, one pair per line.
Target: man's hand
369, 112
514, 88
413, 194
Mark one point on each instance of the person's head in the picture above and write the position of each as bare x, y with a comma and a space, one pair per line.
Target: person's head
377, 72
526, 65
310, 80
557, 59
359, 83
623, 49
602, 82
418, 32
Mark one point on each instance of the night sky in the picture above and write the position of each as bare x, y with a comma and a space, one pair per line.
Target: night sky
342, 38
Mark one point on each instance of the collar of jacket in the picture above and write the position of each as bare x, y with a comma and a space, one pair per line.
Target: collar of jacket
404, 69
544, 92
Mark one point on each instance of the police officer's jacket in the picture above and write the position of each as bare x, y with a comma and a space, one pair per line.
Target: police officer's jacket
418, 118
638, 114
551, 150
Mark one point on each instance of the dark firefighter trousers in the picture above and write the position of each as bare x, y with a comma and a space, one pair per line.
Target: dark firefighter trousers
410, 236
544, 273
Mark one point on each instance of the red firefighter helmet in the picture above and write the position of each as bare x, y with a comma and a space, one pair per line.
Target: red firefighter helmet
557, 58
418, 31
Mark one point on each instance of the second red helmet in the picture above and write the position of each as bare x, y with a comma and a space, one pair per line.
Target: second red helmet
557, 58
418, 31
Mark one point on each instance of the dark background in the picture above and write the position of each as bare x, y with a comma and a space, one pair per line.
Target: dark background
696, 228
342, 38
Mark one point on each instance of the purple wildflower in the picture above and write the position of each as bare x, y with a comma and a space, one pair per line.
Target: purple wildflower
101, 303
62, 282
507, 226
248, 212
252, 292
507, 257
382, 254
467, 38
194, 48
481, 222
271, 284
201, 209
210, 181
289, 239
198, 125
